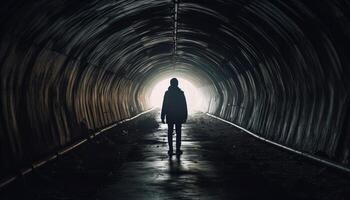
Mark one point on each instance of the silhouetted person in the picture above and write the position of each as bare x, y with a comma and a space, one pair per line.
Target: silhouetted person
174, 109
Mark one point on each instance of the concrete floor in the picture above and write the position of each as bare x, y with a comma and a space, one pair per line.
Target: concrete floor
219, 161
202, 172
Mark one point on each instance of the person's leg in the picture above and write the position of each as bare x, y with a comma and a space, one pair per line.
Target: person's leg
178, 138
170, 137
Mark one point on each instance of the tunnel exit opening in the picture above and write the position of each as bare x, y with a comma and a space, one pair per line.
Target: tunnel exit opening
194, 95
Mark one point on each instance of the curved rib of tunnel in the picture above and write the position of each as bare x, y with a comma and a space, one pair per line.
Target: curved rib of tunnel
277, 68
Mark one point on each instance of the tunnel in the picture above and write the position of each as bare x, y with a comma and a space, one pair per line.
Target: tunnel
277, 69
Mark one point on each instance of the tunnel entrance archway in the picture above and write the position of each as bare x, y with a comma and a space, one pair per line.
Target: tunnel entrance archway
195, 98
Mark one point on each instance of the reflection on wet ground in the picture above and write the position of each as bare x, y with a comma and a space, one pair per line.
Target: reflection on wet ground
202, 172
219, 162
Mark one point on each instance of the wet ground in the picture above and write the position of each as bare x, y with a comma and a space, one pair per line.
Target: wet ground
218, 162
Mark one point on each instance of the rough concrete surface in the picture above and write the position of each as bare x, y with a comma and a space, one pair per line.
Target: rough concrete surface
219, 162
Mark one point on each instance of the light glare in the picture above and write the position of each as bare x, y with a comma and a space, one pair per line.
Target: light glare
193, 95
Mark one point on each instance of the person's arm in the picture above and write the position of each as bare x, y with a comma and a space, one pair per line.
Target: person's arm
164, 107
185, 107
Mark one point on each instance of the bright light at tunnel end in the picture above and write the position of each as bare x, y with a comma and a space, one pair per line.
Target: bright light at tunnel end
194, 96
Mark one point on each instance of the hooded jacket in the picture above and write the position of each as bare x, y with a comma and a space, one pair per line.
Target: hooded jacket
174, 106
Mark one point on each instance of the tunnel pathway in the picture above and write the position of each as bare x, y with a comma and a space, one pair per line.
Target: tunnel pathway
204, 171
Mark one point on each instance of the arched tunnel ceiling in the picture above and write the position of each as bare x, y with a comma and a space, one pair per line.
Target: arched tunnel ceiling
278, 68
214, 36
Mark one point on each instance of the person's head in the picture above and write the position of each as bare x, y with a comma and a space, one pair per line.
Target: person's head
174, 82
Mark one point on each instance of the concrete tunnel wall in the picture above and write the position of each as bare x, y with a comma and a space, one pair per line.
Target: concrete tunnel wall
277, 68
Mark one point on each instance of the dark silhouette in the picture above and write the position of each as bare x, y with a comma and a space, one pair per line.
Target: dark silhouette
174, 109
